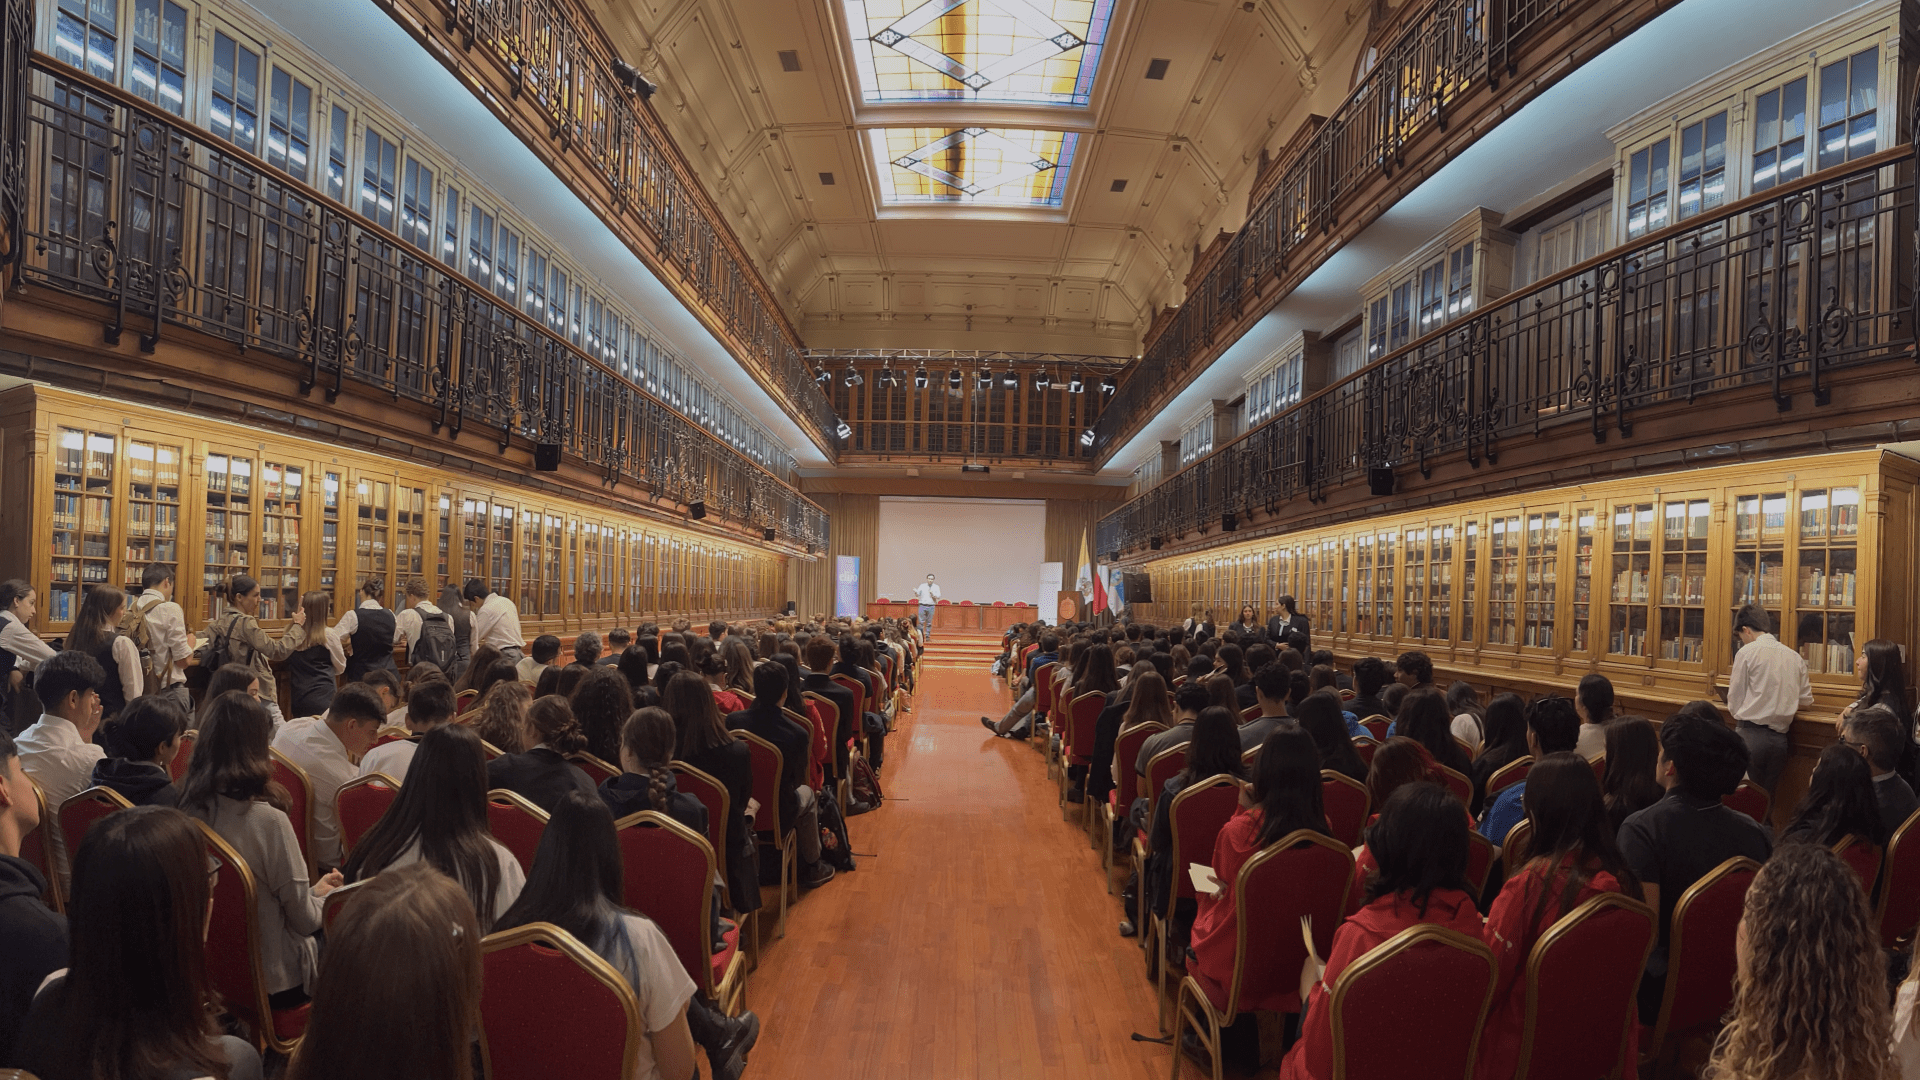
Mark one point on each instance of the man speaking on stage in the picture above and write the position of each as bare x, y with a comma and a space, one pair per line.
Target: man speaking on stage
926, 592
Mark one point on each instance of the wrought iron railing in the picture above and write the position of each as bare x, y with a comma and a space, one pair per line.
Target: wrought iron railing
168, 227
1450, 48
967, 405
553, 55
1781, 291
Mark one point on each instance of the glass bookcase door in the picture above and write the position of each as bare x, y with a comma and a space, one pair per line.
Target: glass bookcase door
1583, 537
1628, 590
1363, 585
1759, 552
153, 494
1469, 579
1542, 584
372, 529
555, 568
529, 600
283, 489
1440, 583
1413, 572
1683, 580
473, 526
82, 535
1384, 597
500, 551
1503, 581
228, 541
330, 533
411, 523
1824, 587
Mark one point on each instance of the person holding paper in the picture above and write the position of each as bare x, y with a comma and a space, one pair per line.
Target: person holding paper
1283, 798
1420, 846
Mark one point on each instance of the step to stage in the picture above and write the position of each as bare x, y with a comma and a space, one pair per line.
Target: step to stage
963, 647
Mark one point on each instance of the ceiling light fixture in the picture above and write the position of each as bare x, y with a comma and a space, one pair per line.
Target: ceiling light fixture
1107, 385
920, 377
1074, 384
1040, 380
986, 379
1086, 437
1010, 379
843, 430
889, 378
953, 379
853, 376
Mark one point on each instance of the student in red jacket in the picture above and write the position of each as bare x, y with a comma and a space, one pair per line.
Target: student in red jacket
1571, 859
1420, 846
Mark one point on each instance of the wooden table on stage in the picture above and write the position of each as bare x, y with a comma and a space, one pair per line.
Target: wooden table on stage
955, 616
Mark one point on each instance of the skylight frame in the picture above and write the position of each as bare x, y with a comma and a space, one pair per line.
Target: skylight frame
1008, 145
984, 80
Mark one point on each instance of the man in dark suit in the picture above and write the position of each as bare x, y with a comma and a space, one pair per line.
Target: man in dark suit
1875, 732
820, 654
617, 641
1282, 628
798, 810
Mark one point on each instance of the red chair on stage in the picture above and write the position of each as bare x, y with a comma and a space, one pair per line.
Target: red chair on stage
1899, 907
233, 953
1508, 775
1347, 803
669, 879
1196, 817
1700, 953
1375, 1035
1302, 874
1581, 981
359, 803
78, 814
300, 796
516, 823
550, 1006
1752, 800
780, 836
1126, 786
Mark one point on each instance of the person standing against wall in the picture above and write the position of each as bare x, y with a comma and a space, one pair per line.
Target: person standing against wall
927, 593
496, 621
1768, 685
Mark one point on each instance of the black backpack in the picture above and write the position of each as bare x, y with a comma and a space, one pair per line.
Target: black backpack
436, 644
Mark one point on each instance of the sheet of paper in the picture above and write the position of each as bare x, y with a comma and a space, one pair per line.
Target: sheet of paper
1204, 882
1306, 935
753, 808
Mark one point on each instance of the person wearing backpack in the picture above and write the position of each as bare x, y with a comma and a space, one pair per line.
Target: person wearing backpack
429, 631
235, 637
169, 644
370, 629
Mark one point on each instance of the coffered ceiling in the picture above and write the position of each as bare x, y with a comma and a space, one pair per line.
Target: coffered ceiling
1000, 174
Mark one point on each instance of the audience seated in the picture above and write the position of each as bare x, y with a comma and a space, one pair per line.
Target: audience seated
1423, 717
541, 773
58, 751
398, 996
1506, 743
385, 683
703, 741
1023, 705
798, 809
1188, 700
1371, 675
820, 655
1570, 859
1390, 699
1419, 845
429, 705
1553, 727
1142, 701
1213, 751
1269, 688
230, 786
1096, 675
1593, 700
440, 818
1469, 719
1320, 717
1810, 995
1840, 802
36, 938
1879, 736
227, 677
1633, 754
326, 747
646, 780
541, 654
501, 717
586, 648
140, 745
134, 1000
1676, 841
1883, 682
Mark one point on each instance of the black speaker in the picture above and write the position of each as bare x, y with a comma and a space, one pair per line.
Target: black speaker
766, 534
697, 509
1153, 543
1380, 480
789, 607
1139, 588
546, 457
1228, 522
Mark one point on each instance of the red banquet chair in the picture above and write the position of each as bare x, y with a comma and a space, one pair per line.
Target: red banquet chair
177, 768
1862, 858
359, 803
233, 953
1076, 744
1599, 769
78, 814
1460, 787
1514, 850
550, 1006
1376, 726
1581, 981
391, 734
1347, 803
1301, 874
516, 823
1750, 799
767, 763
1160, 769
668, 877
1126, 787
1700, 953
1508, 775
597, 770
336, 901
1899, 907
300, 796
1365, 748
37, 850
1375, 1035
1196, 816
1480, 860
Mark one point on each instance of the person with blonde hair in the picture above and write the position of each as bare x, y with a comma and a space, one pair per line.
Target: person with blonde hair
1810, 990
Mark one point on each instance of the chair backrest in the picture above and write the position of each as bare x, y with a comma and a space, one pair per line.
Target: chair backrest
767, 763
1303, 873
1750, 799
233, 943
1508, 775
550, 1006
1458, 785
1365, 747
1083, 718
336, 901
489, 750
1250, 757
359, 803
1862, 858
597, 770
1377, 726
1900, 892
1196, 817
1513, 853
1161, 768
1700, 953
1347, 803
78, 814
828, 710
668, 877
1249, 712
1126, 750
1466, 747
1599, 763
35, 849
859, 697
1480, 856
182, 754
516, 823
300, 799
1582, 978
1375, 1035
712, 794
463, 701
390, 734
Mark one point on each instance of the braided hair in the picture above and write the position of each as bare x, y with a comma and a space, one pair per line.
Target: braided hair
648, 737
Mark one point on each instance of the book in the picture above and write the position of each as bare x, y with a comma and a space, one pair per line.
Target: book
1204, 882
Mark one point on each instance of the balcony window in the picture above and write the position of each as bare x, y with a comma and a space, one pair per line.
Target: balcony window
1849, 99
1780, 134
1647, 193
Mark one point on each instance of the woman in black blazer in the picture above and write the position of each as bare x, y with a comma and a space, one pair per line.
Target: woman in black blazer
543, 775
703, 741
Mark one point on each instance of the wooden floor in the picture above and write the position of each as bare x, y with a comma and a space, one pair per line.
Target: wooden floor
974, 940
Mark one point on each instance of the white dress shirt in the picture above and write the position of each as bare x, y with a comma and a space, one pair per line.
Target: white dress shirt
336, 654
497, 623
25, 645
1768, 684
530, 670
167, 627
391, 758
927, 591
311, 744
513, 877
406, 625
61, 763
126, 666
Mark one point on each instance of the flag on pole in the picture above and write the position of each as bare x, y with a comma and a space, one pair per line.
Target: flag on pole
1099, 589
1083, 578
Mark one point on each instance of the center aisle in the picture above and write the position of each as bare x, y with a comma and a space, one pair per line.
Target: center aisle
974, 941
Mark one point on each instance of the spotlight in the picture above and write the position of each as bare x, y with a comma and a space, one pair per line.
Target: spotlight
1086, 437
1040, 380
853, 376
636, 83
976, 468
1106, 384
1010, 380
889, 378
697, 509
953, 379
986, 379
1075, 385
843, 430
920, 378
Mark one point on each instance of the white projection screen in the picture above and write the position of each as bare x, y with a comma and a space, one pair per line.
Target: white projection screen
978, 549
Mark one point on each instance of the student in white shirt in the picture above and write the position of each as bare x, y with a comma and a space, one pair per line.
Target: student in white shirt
927, 593
408, 624
1767, 686
172, 644
58, 752
18, 602
440, 818
1593, 700
429, 705
326, 747
496, 621
545, 650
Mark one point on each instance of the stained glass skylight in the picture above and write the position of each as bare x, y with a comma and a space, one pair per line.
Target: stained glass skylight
1027, 52
973, 166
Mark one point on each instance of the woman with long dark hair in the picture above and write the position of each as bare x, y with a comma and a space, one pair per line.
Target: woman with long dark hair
229, 785
1469, 719
475, 672
602, 702
96, 633
1423, 718
1505, 722
440, 818
1319, 716
135, 1000
1284, 798
1420, 847
1571, 858
737, 655
1213, 751
1631, 783
703, 741
1883, 681
647, 780
314, 666
1839, 802
140, 747
820, 749
228, 677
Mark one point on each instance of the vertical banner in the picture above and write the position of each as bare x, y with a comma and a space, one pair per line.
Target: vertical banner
1119, 591
1050, 573
846, 585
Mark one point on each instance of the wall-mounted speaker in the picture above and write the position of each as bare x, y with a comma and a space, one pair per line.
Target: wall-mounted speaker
1138, 587
766, 534
697, 509
1228, 522
1380, 480
1153, 543
546, 457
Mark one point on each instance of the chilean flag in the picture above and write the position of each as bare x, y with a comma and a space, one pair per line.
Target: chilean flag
1099, 589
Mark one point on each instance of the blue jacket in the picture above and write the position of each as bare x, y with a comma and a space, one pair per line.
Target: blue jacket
1504, 813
